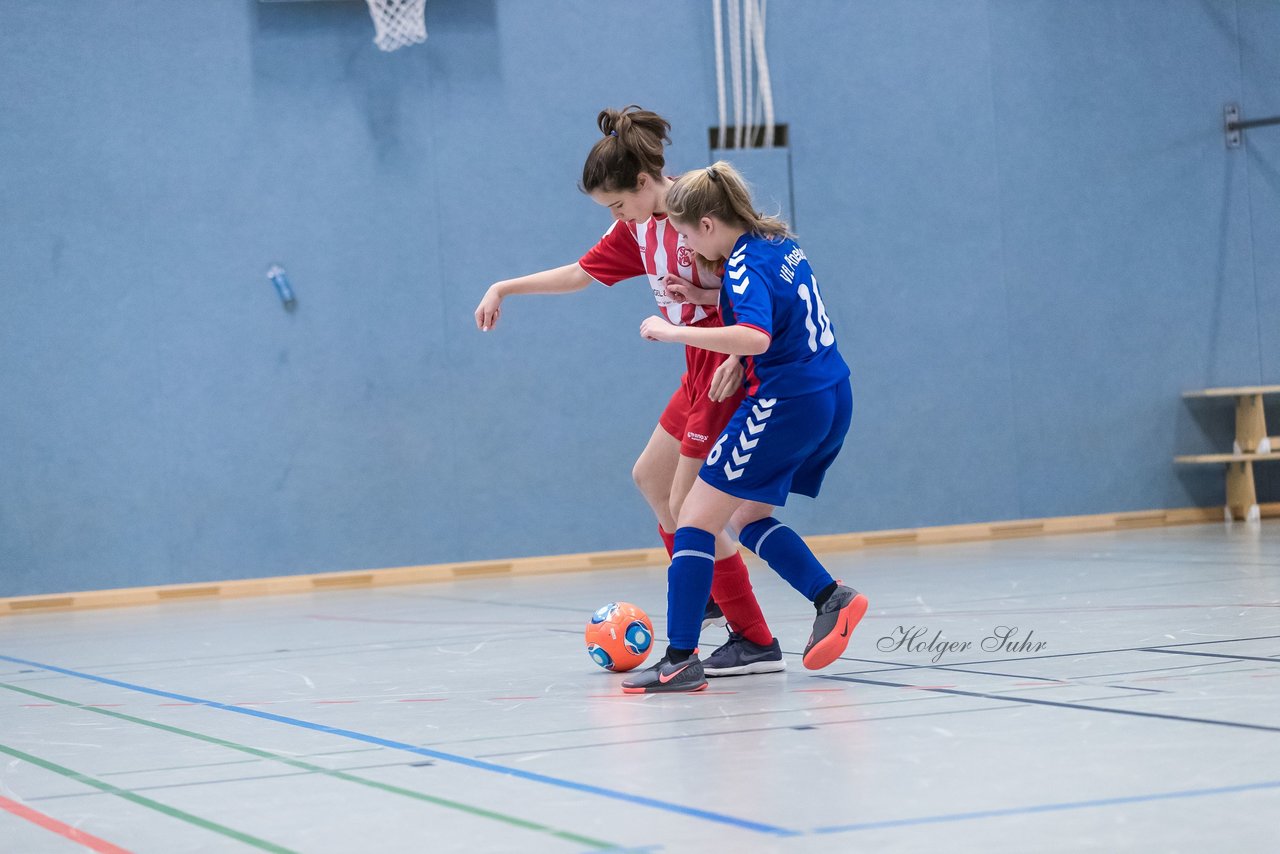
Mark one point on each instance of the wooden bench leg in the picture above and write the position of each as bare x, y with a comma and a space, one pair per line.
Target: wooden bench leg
1251, 426
1242, 497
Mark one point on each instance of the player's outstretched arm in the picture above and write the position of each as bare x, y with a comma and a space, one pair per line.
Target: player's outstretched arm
736, 340
560, 280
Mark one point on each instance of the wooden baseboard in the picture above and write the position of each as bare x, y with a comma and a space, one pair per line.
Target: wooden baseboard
585, 562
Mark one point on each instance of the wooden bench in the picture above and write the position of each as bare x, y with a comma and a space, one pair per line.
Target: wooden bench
1251, 445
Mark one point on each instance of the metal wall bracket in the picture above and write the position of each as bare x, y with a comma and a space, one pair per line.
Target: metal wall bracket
1231, 124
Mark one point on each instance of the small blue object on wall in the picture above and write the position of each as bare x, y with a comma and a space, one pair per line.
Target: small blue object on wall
277, 276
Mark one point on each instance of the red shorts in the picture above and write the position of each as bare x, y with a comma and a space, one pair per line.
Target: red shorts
691, 417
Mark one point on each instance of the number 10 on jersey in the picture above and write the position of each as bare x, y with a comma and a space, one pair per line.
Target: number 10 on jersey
819, 332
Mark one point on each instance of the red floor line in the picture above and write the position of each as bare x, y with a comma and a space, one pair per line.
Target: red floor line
65, 830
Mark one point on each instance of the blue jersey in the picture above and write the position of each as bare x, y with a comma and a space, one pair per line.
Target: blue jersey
769, 285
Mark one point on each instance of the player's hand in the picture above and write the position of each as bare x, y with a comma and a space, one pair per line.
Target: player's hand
727, 379
677, 287
683, 290
489, 309
656, 328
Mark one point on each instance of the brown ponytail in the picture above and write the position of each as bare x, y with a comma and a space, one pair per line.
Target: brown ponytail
632, 145
720, 191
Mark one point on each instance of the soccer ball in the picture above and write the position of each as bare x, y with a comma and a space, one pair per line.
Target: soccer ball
619, 636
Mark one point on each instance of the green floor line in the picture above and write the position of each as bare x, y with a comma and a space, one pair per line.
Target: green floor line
146, 802
340, 775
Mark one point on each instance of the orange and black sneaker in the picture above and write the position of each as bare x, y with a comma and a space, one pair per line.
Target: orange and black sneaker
667, 677
831, 629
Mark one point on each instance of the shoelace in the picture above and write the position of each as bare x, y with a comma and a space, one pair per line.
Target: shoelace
734, 640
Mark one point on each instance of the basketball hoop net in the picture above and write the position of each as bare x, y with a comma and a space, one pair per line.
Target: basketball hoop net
398, 22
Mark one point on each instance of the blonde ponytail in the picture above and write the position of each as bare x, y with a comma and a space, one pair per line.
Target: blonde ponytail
720, 191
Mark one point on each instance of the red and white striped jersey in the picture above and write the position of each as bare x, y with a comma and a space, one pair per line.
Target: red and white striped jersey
652, 249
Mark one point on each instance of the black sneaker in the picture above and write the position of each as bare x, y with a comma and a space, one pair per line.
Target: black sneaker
712, 615
831, 629
665, 677
740, 656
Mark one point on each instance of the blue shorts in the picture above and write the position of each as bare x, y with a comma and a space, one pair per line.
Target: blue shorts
782, 445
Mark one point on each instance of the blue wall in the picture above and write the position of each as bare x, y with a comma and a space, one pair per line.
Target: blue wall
1030, 231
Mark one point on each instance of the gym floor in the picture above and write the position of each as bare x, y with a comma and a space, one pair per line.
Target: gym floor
1105, 692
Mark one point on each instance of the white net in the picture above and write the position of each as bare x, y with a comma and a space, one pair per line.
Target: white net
398, 22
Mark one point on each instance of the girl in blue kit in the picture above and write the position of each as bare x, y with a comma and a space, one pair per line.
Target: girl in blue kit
784, 435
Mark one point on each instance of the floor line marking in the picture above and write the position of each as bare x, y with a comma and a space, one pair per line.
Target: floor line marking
695, 719
365, 648
635, 800
1214, 655
1196, 666
1060, 704
894, 667
815, 724
172, 812
88, 840
1083, 609
318, 769
1040, 808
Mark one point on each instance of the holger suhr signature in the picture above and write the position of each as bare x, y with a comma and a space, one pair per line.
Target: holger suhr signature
916, 639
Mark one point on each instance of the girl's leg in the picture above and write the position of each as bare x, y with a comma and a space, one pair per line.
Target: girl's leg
688, 586
731, 583
839, 607
705, 509
686, 474
654, 472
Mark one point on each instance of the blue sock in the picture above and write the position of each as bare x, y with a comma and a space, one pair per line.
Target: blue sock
787, 555
689, 585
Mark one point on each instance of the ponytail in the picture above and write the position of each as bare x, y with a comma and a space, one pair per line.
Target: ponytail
631, 146
720, 191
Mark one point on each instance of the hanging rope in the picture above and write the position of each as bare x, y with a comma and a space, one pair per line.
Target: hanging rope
766, 85
748, 100
720, 104
735, 61
749, 82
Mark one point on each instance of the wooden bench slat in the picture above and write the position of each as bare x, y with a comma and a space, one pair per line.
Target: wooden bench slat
1226, 458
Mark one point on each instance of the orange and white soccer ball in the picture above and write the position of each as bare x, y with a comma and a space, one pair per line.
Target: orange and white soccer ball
619, 636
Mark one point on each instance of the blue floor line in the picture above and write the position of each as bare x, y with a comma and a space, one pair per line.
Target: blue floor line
1040, 808
635, 800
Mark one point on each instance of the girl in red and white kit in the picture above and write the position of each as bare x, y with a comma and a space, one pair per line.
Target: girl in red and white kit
624, 173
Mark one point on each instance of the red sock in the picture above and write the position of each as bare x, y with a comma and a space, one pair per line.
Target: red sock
731, 588
668, 540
